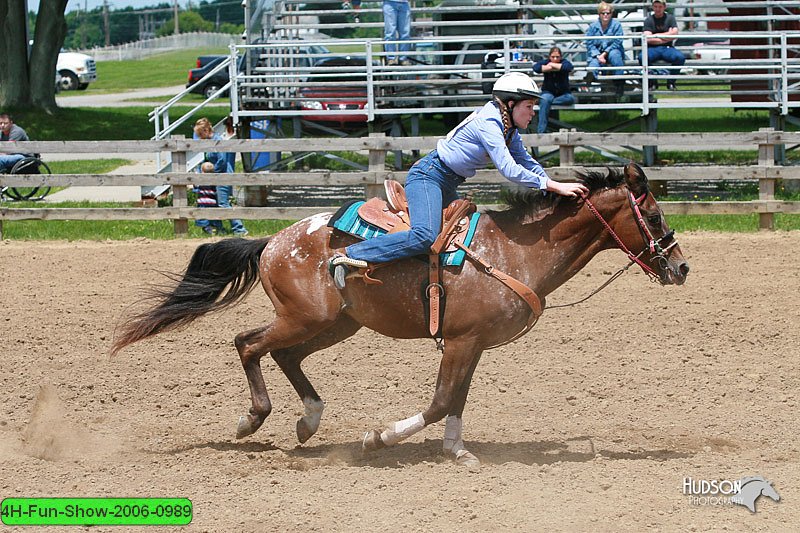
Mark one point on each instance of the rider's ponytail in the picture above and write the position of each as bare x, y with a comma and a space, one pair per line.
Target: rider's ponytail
505, 116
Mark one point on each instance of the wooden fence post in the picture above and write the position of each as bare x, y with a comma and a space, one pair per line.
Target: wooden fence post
179, 196
566, 152
377, 166
766, 186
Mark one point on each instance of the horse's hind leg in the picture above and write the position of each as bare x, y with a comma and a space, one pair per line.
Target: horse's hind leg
252, 346
289, 360
458, 363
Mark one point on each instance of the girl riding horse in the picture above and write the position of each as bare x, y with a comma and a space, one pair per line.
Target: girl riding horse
488, 134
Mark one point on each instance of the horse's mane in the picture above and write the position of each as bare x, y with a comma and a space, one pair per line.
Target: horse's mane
533, 201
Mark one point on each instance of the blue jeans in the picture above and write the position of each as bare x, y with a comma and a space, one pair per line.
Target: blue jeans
430, 185
224, 193
7, 161
614, 59
667, 54
545, 101
396, 26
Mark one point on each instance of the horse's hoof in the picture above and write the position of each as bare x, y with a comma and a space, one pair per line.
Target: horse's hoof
303, 431
465, 458
372, 441
245, 427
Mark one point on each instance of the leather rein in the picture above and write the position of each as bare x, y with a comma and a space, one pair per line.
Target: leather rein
658, 247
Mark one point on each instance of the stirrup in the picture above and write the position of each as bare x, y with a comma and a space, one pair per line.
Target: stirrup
348, 261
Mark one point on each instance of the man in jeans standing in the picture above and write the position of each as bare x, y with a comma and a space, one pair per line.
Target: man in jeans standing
396, 27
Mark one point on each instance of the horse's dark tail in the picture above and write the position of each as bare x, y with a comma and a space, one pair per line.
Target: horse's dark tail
213, 267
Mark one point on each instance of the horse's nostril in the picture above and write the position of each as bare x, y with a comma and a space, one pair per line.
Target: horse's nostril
684, 268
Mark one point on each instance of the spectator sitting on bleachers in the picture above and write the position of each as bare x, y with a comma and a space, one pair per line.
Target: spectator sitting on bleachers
355, 6
661, 29
608, 51
555, 88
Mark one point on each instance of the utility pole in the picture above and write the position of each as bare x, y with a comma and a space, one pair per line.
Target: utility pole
84, 22
106, 25
175, 9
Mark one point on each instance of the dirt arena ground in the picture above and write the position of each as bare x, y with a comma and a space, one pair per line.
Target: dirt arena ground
590, 422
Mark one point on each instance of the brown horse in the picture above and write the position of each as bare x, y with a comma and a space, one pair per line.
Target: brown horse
542, 241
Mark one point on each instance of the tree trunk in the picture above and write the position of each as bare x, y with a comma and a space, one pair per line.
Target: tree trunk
14, 86
30, 83
51, 28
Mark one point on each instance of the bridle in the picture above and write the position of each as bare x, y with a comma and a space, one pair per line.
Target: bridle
657, 247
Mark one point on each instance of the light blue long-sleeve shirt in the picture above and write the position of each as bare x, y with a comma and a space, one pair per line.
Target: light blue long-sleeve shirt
480, 140
595, 47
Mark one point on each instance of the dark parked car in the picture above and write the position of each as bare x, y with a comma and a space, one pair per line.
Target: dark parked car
328, 90
212, 84
207, 63
205, 60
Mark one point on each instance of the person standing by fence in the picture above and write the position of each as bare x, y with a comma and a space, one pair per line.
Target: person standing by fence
396, 27
223, 162
555, 87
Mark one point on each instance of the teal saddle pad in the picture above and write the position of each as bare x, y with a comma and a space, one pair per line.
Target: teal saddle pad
346, 219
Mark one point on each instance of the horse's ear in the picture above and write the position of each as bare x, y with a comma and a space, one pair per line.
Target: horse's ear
635, 179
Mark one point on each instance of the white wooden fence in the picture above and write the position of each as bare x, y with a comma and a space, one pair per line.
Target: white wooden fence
766, 172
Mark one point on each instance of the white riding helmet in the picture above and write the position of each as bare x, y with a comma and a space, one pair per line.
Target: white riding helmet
515, 86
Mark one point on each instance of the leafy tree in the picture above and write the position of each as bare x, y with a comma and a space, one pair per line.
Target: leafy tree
28, 80
188, 21
223, 10
227, 27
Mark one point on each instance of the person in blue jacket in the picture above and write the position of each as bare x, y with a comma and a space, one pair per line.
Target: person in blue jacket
223, 163
555, 87
489, 134
607, 51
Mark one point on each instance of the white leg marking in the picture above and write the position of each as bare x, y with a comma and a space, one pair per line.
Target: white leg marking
454, 444
452, 435
403, 429
313, 414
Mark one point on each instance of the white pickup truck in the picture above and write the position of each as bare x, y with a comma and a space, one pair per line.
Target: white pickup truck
77, 70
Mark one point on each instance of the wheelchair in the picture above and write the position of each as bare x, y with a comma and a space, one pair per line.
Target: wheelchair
32, 164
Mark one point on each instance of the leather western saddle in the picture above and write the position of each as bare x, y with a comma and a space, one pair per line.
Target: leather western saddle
392, 216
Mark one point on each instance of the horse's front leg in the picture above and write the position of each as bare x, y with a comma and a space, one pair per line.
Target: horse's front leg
453, 444
457, 365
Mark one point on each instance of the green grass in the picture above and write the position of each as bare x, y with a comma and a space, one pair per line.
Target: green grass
98, 124
116, 230
161, 70
730, 223
72, 230
674, 120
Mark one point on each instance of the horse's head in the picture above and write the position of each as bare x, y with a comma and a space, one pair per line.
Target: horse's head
641, 230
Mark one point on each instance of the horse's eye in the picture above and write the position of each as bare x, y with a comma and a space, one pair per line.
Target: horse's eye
655, 220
